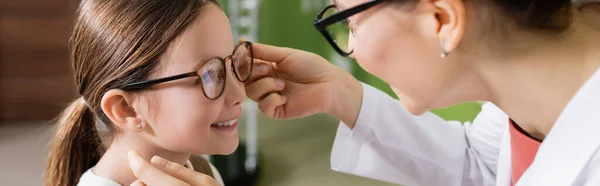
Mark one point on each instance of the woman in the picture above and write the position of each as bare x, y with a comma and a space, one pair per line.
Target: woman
537, 60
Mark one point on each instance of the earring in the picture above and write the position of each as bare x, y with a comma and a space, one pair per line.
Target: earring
444, 54
139, 126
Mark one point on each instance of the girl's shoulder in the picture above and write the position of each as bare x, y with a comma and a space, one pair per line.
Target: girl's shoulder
90, 179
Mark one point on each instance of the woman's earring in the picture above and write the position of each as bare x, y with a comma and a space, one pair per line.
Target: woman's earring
139, 126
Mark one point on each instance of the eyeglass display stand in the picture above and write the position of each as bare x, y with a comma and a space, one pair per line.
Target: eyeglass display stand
242, 167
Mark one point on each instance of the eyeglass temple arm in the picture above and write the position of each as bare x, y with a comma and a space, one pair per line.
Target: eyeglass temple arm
343, 14
145, 84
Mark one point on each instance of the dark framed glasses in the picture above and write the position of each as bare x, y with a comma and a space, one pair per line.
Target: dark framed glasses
333, 24
212, 74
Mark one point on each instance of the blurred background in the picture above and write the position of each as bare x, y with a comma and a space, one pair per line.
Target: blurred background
36, 84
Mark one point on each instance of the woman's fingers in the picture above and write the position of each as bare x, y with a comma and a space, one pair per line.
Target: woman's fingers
269, 105
258, 71
149, 174
138, 183
261, 69
180, 172
268, 52
260, 88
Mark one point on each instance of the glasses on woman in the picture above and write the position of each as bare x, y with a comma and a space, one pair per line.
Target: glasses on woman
212, 74
333, 24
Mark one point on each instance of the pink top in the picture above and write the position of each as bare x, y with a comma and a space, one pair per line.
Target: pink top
523, 150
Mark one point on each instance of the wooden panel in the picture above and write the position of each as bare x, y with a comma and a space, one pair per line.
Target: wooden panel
32, 3
35, 8
35, 77
34, 63
34, 33
34, 98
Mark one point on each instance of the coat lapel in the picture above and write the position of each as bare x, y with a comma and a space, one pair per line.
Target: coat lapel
503, 175
572, 141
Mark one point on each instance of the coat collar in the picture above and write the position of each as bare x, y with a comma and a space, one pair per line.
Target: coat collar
572, 141
503, 174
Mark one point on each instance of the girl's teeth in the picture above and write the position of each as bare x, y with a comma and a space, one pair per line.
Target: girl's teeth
226, 124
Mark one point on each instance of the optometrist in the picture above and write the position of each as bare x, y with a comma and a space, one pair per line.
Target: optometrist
535, 62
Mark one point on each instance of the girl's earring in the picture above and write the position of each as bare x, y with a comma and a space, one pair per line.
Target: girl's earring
444, 54
139, 126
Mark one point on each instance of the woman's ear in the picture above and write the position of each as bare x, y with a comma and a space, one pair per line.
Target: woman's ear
451, 19
118, 107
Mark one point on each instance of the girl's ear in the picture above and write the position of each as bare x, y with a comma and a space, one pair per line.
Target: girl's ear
118, 107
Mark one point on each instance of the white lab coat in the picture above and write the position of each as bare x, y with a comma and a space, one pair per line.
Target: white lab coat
389, 144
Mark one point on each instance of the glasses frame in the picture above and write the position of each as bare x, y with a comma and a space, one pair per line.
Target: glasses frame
322, 23
145, 84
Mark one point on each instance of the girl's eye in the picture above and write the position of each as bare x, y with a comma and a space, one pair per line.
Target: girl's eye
221, 75
206, 77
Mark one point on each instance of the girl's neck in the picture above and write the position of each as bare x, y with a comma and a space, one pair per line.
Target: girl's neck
533, 87
114, 164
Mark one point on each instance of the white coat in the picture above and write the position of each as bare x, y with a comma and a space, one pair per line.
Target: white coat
389, 144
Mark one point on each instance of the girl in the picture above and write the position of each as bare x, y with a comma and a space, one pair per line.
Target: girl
153, 77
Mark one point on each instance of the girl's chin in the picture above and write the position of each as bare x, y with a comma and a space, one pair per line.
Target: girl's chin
230, 150
226, 149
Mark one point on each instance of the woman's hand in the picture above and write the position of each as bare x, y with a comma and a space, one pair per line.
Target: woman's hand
288, 83
163, 172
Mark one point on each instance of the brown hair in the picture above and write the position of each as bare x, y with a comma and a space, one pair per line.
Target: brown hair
541, 15
113, 43
546, 15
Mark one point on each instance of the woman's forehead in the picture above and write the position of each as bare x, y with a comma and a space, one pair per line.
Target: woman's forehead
338, 4
345, 4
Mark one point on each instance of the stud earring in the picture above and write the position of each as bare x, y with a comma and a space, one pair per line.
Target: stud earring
444, 54
139, 126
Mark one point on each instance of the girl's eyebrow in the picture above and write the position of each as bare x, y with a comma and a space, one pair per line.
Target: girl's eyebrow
203, 60
200, 62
